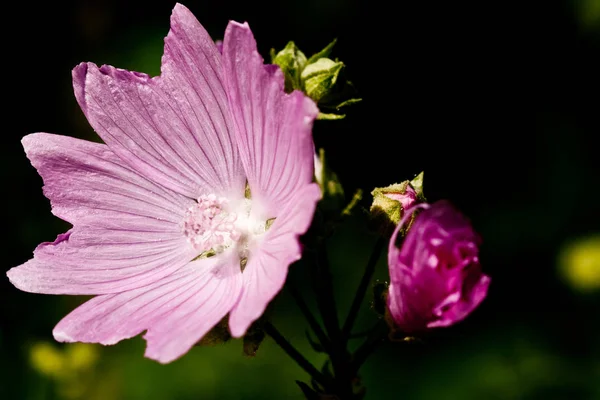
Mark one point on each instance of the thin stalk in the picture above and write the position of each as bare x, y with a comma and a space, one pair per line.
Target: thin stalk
338, 352
377, 336
362, 334
320, 276
362, 288
310, 318
295, 354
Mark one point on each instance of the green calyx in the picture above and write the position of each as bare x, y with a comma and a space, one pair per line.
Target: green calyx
319, 77
417, 185
387, 208
292, 62
219, 334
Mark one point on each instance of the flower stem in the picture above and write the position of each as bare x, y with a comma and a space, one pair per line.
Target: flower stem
362, 288
325, 294
376, 336
310, 318
291, 351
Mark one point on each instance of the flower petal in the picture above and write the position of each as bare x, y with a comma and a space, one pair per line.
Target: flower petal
176, 312
473, 295
273, 129
86, 183
174, 129
268, 264
126, 231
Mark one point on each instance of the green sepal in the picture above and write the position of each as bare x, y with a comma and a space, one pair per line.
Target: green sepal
330, 116
323, 53
387, 212
417, 185
341, 96
319, 77
253, 338
219, 334
348, 102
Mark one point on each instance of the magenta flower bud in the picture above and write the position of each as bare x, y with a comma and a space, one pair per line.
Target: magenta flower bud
406, 199
436, 277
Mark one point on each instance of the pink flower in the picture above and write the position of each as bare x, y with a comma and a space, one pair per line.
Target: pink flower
436, 278
162, 231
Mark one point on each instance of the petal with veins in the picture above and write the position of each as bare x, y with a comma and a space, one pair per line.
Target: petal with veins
268, 264
273, 129
176, 312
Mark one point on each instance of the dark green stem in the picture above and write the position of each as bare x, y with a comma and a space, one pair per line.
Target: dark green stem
377, 336
323, 287
362, 288
310, 318
361, 334
295, 354
325, 296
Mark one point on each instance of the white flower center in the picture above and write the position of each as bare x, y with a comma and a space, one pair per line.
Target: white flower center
212, 226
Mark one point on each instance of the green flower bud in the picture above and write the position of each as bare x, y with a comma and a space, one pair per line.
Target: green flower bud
291, 61
319, 77
390, 203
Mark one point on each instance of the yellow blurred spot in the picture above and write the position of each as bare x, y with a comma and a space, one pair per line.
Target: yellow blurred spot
81, 355
590, 13
579, 262
47, 359
70, 367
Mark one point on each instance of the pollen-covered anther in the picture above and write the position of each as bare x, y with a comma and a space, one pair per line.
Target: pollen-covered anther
209, 225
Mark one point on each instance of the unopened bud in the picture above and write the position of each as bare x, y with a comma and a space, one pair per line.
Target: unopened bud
391, 202
292, 62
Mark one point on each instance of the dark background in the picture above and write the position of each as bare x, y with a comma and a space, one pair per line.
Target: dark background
497, 101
